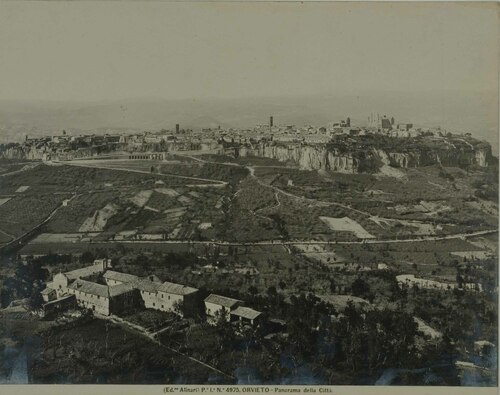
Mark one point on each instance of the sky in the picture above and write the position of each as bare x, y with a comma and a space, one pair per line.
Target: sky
95, 51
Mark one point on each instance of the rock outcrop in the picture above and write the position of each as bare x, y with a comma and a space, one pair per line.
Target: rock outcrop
358, 159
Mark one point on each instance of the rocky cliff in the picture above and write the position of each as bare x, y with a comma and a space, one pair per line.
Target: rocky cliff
356, 157
18, 152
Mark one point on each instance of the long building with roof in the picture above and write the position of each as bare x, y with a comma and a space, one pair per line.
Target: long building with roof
103, 299
118, 291
156, 295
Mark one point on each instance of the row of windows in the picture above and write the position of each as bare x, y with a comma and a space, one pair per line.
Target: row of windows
91, 295
77, 292
154, 293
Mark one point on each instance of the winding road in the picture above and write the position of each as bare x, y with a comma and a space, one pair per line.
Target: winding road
280, 242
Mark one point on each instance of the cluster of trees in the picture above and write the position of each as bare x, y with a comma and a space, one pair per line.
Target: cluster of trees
374, 340
51, 259
27, 282
162, 265
358, 343
462, 317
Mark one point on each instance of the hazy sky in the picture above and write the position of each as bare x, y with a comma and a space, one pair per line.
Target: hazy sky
94, 51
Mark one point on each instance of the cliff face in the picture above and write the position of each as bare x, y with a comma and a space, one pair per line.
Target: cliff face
457, 157
328, 157
19, 153
308, 157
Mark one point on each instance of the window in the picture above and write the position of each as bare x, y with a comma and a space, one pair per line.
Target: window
153, 304
168, 297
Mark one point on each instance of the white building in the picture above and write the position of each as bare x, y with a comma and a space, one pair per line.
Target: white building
217, 305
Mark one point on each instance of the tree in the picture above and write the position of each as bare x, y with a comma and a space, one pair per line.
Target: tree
360, 288
179, 308
272, 292
35, 300
225, 330
87, 257
252, 290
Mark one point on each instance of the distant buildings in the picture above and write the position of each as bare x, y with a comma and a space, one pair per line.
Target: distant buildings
380, 123
404, 126
411, 281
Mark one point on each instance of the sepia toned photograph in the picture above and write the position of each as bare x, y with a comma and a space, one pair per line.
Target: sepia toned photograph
249, 194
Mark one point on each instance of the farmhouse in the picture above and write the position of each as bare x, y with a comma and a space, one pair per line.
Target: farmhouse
103, 299
216, 305
246, 315
156, 295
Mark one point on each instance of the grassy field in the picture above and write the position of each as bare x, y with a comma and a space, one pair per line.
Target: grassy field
7, 167
97, 188
151, 320
232, 174
71, 217
22, 213
162, 169
66, 178
4, 238
76, 354
395, 198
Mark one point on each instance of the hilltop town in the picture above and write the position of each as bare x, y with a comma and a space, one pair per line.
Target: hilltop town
398, 144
